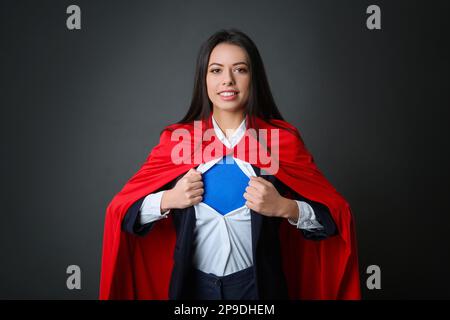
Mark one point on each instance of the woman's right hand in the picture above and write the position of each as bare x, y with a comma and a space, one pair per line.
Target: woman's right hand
187, 192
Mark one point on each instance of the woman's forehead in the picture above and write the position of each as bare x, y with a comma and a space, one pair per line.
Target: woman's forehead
226, 53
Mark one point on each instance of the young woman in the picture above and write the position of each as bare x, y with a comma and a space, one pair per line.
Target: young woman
235, 222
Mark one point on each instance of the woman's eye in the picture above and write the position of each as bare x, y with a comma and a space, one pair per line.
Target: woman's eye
240, 70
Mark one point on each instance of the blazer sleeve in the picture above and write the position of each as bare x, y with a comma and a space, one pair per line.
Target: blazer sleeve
323, 216
322, 213
131, 222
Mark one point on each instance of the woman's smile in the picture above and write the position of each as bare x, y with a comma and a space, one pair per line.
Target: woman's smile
228, 95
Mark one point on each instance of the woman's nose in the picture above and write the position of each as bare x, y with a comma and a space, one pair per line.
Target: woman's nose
228, 80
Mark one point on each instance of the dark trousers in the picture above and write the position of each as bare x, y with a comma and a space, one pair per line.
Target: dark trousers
236, 286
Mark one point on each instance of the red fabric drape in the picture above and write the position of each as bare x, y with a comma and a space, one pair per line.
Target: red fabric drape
326, 269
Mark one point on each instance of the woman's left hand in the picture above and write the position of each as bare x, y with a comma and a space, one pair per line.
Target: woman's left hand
263, 197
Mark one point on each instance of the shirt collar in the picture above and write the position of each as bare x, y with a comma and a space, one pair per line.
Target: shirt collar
235, 137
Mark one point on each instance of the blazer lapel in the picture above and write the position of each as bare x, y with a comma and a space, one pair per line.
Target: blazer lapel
256, 219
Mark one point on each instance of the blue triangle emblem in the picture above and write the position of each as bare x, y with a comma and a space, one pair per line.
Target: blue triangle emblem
224, 186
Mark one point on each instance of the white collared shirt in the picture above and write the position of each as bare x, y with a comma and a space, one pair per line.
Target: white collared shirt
223, 243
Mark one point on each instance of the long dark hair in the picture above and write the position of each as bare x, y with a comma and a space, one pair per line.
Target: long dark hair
260, 101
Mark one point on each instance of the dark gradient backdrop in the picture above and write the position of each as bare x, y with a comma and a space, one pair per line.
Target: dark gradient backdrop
82, 109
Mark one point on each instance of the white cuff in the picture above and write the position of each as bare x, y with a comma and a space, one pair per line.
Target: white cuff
151, 208
307, 219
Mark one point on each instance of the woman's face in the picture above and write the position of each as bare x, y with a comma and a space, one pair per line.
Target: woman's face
228, 77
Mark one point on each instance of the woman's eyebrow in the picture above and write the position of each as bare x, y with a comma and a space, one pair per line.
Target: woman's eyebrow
234, 64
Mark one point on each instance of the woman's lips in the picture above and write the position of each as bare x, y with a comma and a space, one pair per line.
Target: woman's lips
228, 97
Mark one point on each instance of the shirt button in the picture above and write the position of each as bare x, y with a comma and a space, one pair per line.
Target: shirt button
217, 282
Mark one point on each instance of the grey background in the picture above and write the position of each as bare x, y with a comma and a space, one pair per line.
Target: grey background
82, 109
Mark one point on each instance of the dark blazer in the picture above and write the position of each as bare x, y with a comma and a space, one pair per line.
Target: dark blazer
270, 279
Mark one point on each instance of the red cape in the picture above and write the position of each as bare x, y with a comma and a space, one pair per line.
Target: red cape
326, 269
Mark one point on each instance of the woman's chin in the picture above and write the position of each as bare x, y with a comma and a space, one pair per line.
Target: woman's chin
229, 107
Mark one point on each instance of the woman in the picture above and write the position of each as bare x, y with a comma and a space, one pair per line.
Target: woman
241, 223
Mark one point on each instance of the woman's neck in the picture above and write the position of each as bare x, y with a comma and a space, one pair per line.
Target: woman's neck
228, 121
